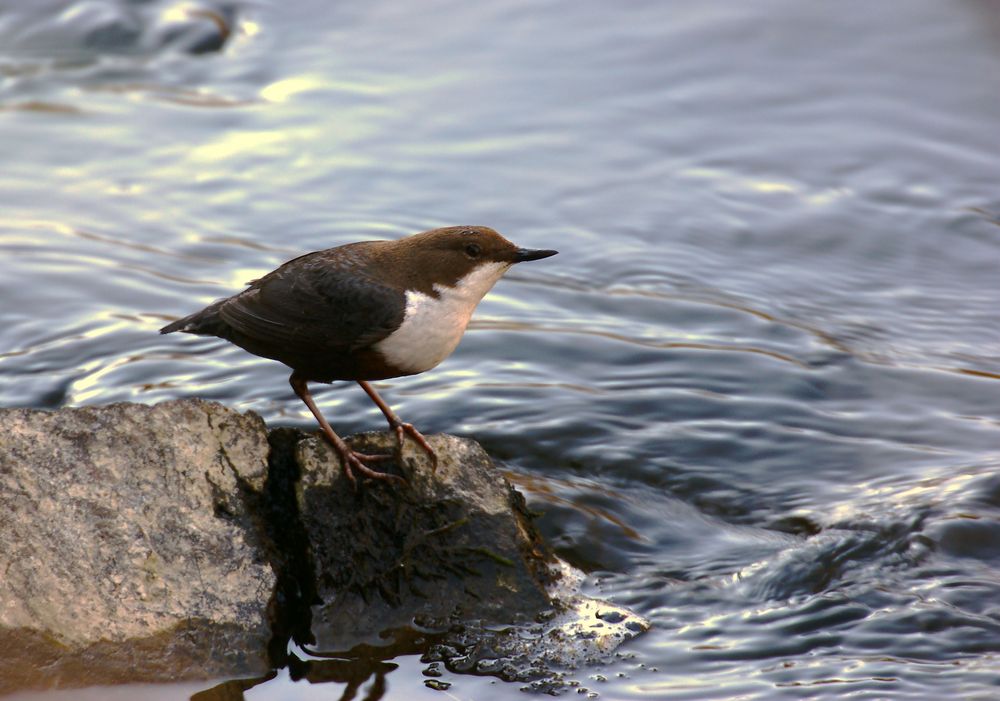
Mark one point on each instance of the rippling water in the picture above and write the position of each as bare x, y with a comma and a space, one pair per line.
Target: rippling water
756, 396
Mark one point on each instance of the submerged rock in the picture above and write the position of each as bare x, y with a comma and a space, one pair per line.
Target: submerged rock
75, 30
130, 545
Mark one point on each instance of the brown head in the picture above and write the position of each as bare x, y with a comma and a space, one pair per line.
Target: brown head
445, 256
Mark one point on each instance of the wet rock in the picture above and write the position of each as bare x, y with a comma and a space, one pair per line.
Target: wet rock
452, 545
449, 567
129, 544
576, 631
189, 27
78, 29
184, 540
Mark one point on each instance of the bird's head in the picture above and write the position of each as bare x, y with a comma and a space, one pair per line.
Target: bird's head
469, 259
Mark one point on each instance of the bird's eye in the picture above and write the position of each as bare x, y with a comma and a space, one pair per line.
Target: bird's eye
473, 250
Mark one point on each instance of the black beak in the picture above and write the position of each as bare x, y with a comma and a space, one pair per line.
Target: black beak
523, 254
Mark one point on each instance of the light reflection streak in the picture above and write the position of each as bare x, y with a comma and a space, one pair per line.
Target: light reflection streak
283, 90
928, 489
249, 28
49, 226
89, 386
72, 336
172, 94
237, 143
241, 277
728, 181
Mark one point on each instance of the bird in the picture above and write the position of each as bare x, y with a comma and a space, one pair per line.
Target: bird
363, 312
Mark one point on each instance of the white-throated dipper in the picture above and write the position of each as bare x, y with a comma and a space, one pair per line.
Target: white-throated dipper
365, 311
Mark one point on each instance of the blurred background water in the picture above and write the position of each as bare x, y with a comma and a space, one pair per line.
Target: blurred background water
756, 395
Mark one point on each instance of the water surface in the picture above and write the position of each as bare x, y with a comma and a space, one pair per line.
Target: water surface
756, 395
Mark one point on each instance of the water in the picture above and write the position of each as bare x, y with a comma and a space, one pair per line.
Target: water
756, 395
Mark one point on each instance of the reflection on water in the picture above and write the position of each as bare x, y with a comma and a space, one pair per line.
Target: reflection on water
755, 397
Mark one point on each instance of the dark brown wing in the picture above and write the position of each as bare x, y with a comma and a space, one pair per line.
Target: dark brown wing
316, 305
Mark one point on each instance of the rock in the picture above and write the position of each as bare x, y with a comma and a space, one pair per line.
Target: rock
78, 30
575, 631
449, 567
184, 541
452, 545
127, 533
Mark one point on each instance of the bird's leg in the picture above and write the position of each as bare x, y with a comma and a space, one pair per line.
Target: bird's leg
350, 459
399, 426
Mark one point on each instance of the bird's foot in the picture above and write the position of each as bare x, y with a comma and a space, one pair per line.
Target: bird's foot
402, 429
352, 461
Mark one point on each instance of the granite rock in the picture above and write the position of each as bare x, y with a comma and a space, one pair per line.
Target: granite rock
128, 533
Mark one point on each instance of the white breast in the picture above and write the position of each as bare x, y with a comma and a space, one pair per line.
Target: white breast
432, 327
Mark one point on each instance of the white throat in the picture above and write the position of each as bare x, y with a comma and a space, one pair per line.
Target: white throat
432, 327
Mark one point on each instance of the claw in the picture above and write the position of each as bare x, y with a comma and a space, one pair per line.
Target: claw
352, 460
402, 429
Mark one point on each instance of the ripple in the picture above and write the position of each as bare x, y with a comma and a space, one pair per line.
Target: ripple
755, 394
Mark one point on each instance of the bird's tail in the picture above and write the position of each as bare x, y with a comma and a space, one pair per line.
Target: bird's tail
206, 322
